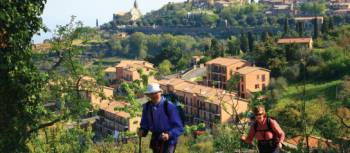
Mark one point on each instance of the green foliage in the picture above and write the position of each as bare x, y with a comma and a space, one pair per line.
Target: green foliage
227, 140
61, 139
313, 8
344, 90
210, 19
316, 29
20, 82
244, 44
233, 83
138, 45
233, 46
165, 67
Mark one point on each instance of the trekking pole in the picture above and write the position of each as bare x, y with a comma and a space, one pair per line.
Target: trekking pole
140, 138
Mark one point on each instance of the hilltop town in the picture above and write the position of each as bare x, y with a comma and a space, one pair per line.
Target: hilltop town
84, 89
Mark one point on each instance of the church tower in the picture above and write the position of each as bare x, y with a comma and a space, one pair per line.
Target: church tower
135, 5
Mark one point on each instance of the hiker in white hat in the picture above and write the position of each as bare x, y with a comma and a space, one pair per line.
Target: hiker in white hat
161, 117
154, 92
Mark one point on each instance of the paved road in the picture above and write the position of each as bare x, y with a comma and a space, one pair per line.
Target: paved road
194, 73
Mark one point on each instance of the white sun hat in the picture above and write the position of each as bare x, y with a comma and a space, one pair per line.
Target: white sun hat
153, 88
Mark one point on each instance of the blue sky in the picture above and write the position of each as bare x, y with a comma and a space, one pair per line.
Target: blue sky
58, 12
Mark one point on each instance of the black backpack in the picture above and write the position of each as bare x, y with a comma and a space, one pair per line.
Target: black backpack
167, 113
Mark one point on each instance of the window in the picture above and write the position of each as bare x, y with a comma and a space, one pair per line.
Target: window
257, 77
263, 77
257, 86
263, 86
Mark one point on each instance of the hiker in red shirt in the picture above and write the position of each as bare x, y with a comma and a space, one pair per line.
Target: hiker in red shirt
266, 131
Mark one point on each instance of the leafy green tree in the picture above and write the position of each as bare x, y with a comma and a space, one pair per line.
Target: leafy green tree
344, 90
313, 8
275, 90
182, 64
20, 82
165, 67
214, 48
233, 46
292, 73
137, 45
209, 19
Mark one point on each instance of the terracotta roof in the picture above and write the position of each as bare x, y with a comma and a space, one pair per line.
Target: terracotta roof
249, 69
134, 63
109, 106
212, 94
294, 40
314, 142
88, 78
226, 61
110, 69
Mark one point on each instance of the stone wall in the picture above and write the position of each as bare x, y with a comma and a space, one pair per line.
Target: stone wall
222, 32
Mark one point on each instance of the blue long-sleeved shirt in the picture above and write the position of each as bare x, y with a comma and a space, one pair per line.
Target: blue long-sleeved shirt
161, 122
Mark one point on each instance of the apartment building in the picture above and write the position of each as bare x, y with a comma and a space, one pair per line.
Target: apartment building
308, 21
253, 79
219, 70
91, 91
127, 70
303, 41
111, 120
205, 104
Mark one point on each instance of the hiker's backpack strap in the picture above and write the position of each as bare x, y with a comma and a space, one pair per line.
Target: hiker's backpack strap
268, 122
269, 126
166, 109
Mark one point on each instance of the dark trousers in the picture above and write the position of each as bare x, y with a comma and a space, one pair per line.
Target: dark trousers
159, 146
268, 146
166, 149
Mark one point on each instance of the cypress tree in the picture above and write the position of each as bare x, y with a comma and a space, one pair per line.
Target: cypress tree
300, 28
286, 28
315, 28
264, 36
331, 23
324, 27
244, 42
250, 41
